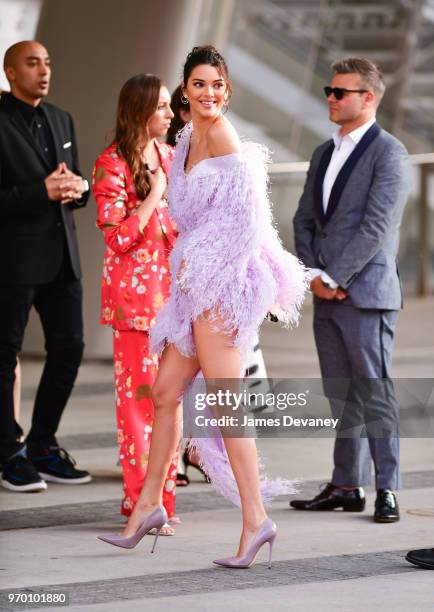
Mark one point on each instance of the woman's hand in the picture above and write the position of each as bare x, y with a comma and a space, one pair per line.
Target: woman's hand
157, 181
179, 278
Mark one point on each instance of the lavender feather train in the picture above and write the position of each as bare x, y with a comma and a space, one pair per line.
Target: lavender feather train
229, 260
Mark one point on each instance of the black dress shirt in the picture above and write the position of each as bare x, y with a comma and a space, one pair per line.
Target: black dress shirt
33, 228
35, 118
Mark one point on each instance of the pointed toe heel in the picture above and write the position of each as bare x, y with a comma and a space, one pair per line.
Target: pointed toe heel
155, 520
267, 532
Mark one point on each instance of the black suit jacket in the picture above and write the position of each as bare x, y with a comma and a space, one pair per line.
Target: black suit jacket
33, 228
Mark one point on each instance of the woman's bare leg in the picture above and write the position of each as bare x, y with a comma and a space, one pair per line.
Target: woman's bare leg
174, 372
219, 360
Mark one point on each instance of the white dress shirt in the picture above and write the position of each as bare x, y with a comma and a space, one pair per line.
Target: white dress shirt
344, 146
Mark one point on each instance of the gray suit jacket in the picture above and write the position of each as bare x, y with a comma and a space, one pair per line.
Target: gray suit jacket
358, 244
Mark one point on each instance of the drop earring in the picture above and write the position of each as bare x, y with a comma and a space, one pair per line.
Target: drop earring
184, 100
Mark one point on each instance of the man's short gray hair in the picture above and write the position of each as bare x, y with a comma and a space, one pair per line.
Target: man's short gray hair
371, 75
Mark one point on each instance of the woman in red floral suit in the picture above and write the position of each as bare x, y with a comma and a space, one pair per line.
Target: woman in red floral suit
129, 185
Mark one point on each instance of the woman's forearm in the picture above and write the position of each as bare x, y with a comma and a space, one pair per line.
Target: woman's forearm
146, 208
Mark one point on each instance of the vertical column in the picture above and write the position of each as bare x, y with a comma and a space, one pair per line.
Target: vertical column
95, 47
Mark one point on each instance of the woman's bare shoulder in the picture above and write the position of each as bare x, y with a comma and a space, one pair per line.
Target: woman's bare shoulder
222, 138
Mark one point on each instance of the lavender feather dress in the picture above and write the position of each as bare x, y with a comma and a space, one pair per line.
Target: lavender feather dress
233, 264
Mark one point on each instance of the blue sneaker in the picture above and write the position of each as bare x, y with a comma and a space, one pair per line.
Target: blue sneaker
54, 464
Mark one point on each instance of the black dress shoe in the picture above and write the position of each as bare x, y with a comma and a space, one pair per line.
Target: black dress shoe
334, 497
423, 558
386, 507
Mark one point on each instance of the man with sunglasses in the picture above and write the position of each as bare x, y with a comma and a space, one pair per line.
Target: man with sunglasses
347, 232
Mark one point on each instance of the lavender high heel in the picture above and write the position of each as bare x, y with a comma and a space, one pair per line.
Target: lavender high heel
266, 533
155, 520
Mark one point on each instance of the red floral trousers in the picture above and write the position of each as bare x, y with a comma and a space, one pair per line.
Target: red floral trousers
135, 373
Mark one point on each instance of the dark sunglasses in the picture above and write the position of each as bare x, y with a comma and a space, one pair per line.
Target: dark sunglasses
340, 92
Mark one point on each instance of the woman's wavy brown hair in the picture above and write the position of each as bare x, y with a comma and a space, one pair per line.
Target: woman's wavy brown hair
138, 101
177, 122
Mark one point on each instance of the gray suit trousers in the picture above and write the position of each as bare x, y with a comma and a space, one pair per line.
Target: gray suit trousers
354, 347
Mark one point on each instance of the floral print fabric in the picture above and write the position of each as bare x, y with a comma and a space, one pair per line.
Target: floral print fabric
135, 278
135, 284
135, 371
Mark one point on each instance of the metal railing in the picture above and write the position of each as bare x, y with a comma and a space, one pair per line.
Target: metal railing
423, 161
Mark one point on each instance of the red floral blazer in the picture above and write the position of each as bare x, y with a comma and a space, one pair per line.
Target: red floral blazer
135, 277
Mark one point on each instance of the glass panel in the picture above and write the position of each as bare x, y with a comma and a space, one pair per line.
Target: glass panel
286, 190
280, 51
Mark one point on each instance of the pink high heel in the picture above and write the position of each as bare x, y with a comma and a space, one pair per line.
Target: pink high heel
266, 533
155, 520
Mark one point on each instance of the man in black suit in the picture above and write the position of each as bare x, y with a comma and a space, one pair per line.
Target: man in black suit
40, 186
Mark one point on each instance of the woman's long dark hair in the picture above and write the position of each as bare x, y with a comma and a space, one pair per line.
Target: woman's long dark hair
177, 121
138, 101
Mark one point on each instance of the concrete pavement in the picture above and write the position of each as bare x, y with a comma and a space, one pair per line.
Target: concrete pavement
328, 561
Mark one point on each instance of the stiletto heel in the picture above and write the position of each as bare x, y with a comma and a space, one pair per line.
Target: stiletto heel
270, 551
155, 520
188, 463
182, 480
155, 541
266, 533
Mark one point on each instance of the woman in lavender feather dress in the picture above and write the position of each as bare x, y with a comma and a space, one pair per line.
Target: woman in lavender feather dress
228, 270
